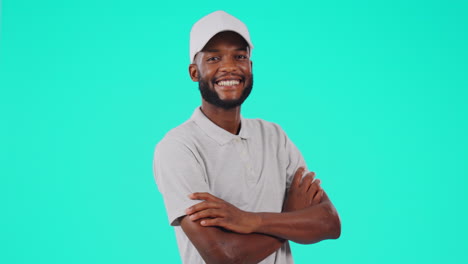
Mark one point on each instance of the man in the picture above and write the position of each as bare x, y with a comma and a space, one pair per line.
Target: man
236, 190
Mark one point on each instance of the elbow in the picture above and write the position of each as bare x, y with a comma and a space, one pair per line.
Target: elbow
336, 230
329, 227
326, 226
330, 223
334, 226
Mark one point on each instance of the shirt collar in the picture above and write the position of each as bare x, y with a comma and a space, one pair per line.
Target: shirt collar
215, 132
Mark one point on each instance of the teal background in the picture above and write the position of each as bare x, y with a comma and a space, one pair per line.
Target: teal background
372, 92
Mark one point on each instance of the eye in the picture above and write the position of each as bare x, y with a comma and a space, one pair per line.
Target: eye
212, 59
241, 57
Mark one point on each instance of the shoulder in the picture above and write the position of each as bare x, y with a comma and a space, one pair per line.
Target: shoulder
265, 128
181, 136
258, 123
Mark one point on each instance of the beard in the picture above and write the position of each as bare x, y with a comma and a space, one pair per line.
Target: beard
212, 97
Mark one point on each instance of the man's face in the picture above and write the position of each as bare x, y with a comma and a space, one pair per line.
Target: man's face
223, 70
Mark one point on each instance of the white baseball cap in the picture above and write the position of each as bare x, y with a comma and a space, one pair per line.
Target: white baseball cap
208, 26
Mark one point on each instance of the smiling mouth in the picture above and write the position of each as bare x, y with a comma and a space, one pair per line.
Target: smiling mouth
228, 82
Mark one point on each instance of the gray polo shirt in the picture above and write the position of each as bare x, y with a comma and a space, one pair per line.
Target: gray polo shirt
251, 170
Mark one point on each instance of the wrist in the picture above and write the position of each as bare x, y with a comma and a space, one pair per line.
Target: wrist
256, 222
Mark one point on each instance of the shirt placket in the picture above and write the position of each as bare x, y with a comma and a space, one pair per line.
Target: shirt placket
242, 147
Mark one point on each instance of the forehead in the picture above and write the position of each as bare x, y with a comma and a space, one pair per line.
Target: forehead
226, 40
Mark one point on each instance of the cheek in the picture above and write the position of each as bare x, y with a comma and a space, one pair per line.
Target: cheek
207, 72
247, 69
247, 72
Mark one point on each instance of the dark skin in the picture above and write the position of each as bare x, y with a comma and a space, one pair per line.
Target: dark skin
228, 61
221, 232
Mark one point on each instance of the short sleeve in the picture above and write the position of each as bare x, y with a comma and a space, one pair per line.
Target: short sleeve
294, 159
178, 173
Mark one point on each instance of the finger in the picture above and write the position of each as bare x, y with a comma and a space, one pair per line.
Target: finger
314, 185
209, 213
318, 197
314, 188
297, 177
307, 181
204, 196
314, 180
202, 206
310, 175
312, 191
212, 222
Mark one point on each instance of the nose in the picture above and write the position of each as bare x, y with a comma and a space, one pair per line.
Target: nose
228, 65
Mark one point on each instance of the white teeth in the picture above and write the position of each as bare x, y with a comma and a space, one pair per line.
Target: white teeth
228, 82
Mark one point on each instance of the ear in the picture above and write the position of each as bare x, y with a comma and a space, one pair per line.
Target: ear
193, 72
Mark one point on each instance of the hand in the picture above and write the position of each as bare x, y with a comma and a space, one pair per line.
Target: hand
216, 212
303, 194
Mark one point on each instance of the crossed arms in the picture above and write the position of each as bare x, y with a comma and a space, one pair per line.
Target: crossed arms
222, 233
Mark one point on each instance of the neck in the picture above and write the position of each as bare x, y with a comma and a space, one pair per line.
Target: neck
227, 119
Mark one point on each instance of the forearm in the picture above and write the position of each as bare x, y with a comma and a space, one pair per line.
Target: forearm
306, 226
218, 245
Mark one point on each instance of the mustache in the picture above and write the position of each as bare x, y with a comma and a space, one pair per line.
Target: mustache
242, 77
